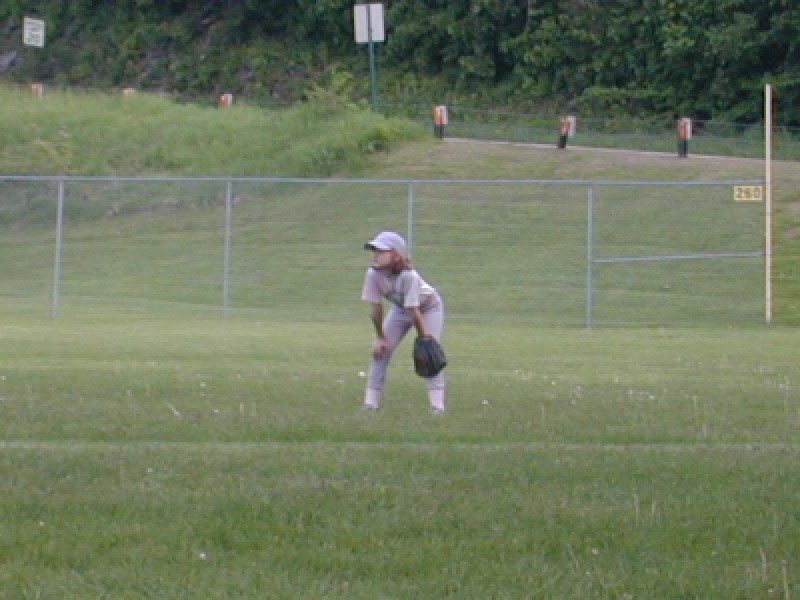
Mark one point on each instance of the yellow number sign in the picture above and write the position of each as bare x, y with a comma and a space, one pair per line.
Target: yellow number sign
748, 193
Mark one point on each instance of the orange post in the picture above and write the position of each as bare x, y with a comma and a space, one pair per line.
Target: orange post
684, 135
439, 120
563, 132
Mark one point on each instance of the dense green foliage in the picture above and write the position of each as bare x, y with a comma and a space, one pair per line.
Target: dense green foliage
708, 59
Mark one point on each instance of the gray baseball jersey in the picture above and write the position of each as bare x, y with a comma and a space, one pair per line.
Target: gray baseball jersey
406, 289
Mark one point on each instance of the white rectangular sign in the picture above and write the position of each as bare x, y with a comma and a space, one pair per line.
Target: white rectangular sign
368, 20
33, 32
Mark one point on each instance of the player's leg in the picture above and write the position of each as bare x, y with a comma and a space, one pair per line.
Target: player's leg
437, 385
395, 326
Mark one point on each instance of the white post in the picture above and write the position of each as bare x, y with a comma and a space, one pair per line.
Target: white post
768, 198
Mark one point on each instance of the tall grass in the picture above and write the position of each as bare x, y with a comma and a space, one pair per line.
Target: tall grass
74, 133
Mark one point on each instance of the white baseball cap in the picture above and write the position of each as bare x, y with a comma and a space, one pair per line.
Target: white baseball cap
387, 240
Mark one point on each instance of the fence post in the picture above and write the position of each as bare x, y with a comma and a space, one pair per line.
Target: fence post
439, 120
410, 225
566, 129
226, 269
684, 135
563, 133
589, 254
57, 261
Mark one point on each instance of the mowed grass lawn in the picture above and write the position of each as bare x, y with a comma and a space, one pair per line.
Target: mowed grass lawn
151, 448
189, 458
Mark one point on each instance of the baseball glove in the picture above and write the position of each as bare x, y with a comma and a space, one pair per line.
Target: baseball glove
429, 356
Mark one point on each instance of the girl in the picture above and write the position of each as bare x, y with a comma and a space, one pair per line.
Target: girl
414, 302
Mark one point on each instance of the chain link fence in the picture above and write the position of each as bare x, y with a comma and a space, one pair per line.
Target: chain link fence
562, 253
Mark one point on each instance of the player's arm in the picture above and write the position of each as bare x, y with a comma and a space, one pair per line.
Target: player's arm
413, 282
416, 319
376, 314
380, 344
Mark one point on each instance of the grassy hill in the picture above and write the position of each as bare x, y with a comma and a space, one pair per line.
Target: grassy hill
73, 133
133, 243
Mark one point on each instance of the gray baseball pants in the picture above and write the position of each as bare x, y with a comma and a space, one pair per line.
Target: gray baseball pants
395, 326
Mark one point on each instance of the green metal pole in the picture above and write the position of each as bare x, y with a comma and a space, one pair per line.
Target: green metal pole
372, 75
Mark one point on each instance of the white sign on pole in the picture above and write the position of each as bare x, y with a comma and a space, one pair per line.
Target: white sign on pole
368, 20
33, 32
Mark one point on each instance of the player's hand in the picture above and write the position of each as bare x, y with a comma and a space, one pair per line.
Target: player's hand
379, 347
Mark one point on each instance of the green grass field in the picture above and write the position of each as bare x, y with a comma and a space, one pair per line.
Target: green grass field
150, 448
185, 458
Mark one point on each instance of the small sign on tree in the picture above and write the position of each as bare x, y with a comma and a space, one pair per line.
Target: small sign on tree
33, 32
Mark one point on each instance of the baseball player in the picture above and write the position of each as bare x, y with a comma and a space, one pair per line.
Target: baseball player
414, 303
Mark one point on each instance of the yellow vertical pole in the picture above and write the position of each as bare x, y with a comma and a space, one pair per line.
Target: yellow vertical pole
768, 197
